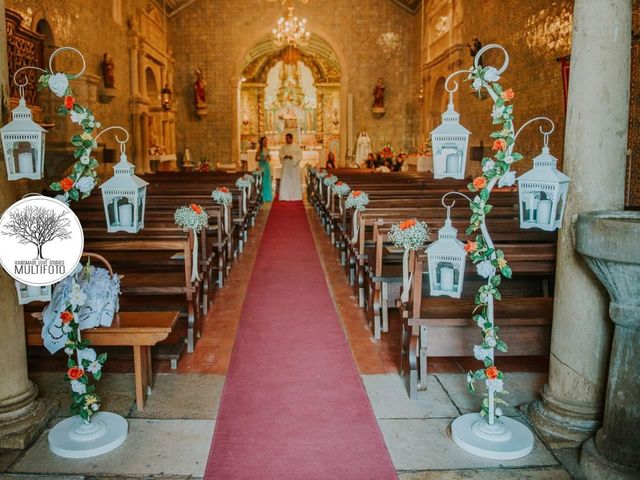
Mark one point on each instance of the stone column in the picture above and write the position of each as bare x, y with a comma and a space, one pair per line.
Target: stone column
144, 137
594, 158
22, 415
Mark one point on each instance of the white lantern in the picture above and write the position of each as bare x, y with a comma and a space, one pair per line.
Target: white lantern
447, 258
33, 293
542, 192
449, 143
124, 197
23, 144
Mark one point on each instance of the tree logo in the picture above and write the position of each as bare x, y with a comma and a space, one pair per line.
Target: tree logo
41, 240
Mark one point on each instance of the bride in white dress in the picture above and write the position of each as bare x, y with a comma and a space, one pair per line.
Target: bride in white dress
290, 185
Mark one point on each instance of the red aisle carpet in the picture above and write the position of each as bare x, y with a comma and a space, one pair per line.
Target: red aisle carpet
293, 405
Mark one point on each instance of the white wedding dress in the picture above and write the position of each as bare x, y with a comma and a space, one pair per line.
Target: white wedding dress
290, 184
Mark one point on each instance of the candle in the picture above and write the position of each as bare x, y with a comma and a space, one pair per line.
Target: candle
25, 162
529, 205
34, 291
544, 212
446, 279
125, 212
452, 163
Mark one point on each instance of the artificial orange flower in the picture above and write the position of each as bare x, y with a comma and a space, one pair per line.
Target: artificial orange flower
491, 372
508, 94
223, 189
66, 184
338, 183
479, 182
66, 316
407, 224
356, 193
69, 101
470, 246
499, 144
75, 373
196, 208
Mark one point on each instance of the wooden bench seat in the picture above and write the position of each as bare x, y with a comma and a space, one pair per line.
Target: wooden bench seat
140, 330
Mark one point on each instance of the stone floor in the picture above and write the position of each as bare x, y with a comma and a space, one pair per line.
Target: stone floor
172, 436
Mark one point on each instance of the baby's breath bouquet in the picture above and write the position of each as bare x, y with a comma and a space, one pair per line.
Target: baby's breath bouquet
409, 234
357, 199
193, 217
341, 189
248, 176
222, 195
321, 174
330, 180
243, 182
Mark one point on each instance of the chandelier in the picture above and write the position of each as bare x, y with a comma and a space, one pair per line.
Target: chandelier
291, 31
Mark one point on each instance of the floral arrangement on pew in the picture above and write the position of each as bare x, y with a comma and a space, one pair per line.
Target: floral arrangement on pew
243, 182
222, 196
249, 177
322, 173
329, 181
196, 219
358, 201
257, 173
341, 188
409, 235
83, 177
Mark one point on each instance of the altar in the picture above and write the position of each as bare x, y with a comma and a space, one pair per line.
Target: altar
310, 156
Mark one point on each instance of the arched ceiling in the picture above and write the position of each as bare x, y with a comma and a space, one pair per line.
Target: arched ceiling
317, 55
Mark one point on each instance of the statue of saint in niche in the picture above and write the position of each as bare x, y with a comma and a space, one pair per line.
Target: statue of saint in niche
108, 75
378, 96
199, 90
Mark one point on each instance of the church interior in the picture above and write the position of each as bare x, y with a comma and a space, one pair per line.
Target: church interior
305, 239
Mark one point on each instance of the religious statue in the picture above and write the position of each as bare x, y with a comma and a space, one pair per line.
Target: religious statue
108, 76
199, 91
378, 97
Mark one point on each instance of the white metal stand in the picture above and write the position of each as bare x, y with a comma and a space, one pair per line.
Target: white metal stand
506, 439
74, 438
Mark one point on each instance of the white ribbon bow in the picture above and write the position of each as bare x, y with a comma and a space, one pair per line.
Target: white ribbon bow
195, 274
406, 277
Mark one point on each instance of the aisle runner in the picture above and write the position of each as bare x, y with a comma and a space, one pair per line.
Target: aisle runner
293, 405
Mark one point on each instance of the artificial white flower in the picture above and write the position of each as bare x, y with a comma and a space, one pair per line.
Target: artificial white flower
98, 124
485, 297
78, 387
58, 83
68, 350
481, 322
507, 179
497, 385
85, 159
66, 328
63, 197
95, 407
87, 354
480, 353
85, 184
485, 269
491, 75
469, 378
508, 159
77, 297
477, 83
94, 367
498, 411
77, 117
490, 340
497, 112
488, 166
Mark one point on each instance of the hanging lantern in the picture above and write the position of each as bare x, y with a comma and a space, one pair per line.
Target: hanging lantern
23, 144
33, 293
124, 197
166, 96
447, 259
542, 192
450, 142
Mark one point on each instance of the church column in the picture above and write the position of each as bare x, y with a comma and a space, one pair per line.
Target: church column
22, 415
144, 146
594, 158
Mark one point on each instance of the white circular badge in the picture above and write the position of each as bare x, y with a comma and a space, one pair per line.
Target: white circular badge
41, 240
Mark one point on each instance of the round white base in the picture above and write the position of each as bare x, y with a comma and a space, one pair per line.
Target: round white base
506, 439
73, 438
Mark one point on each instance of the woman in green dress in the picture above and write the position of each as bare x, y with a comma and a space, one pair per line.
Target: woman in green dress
263, 158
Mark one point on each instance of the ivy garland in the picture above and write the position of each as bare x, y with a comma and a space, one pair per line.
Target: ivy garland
83, 177
490, 262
